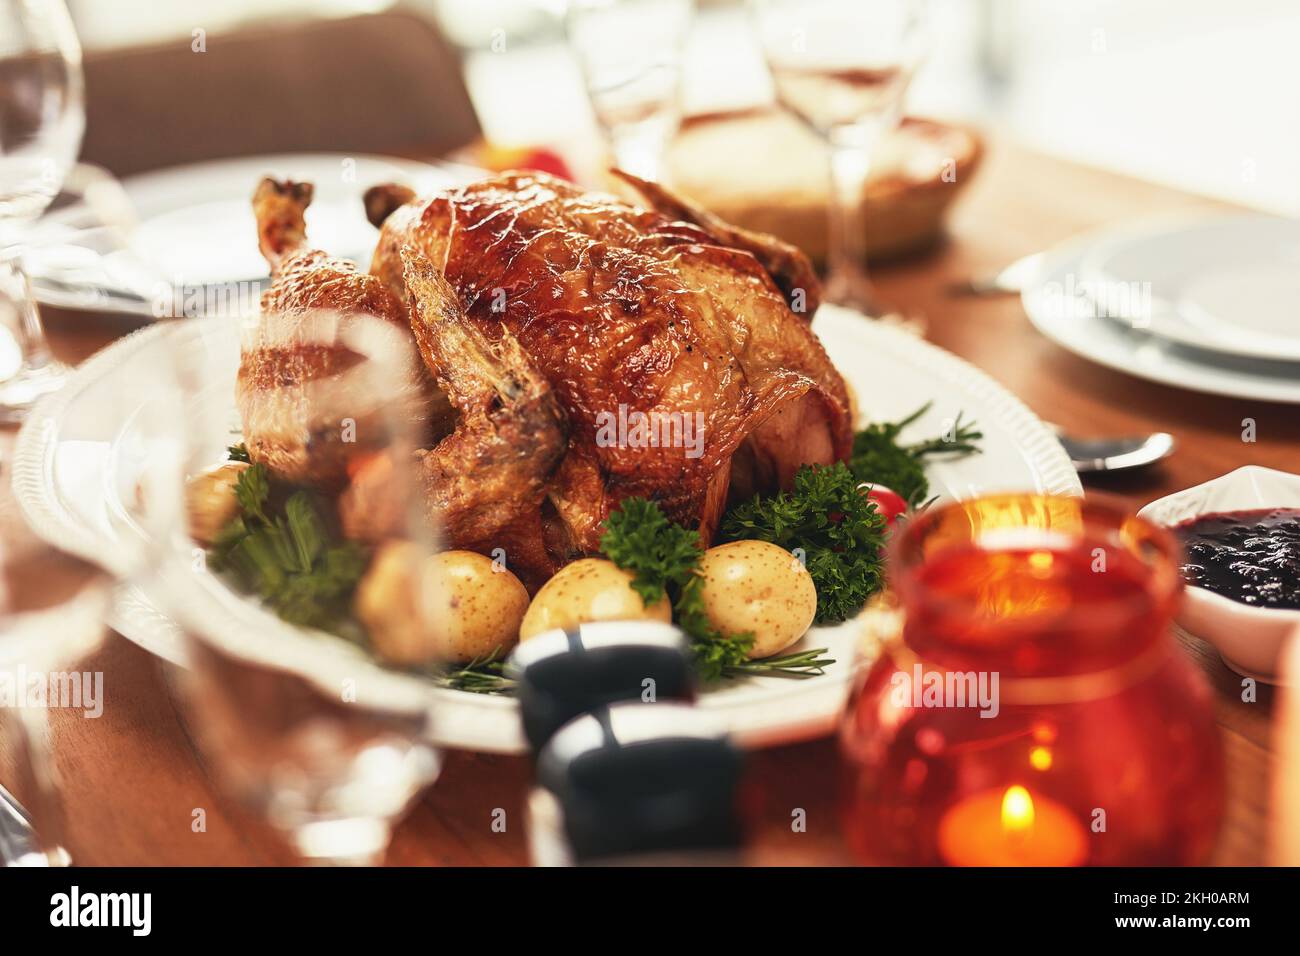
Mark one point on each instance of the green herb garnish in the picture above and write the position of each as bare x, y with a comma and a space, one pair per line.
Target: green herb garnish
836, 528
879, 459
238, 453
665, 557
483, 675
289, 555
639, 538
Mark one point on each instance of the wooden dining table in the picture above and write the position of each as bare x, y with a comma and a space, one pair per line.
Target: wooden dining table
132, 779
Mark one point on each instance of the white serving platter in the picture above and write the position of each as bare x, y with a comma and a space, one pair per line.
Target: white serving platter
68, 475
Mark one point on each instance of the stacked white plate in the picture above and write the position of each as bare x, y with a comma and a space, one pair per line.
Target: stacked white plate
185, 239
1209, 304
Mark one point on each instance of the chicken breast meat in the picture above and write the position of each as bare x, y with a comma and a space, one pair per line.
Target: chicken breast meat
590, 349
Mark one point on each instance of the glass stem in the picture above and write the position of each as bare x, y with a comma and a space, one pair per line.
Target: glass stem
846, 271
28, 369
36, 780
639, 148
28, 334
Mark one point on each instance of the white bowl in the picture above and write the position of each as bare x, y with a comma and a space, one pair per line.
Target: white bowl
1249, 639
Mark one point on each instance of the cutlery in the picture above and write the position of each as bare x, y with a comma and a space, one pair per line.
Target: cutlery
1010, 280
18, 843
1115, 454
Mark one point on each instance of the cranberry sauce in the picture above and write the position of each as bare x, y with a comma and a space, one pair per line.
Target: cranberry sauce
1248, 556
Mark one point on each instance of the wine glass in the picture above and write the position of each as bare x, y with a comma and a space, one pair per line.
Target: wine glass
54, 603
285, 693
42, 118
630, 52
52, 613
842, 67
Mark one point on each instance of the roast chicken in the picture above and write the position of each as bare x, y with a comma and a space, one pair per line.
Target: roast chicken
551, 321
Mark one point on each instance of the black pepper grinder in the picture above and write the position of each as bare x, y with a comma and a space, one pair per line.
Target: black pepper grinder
563, 674
639, 785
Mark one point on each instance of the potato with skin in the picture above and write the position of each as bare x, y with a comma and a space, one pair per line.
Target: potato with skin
210, 501
591, 589
453, 607
759, 588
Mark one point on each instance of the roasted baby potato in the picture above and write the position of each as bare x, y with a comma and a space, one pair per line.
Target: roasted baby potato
759, 588
210, 501
591, 589
453, 607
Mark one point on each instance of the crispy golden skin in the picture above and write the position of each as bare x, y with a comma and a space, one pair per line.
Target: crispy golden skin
548, 319
291, 359
625, 308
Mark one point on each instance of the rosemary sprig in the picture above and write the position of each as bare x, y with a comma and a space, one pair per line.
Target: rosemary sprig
799, 666
483, 675
962, 441
879, 458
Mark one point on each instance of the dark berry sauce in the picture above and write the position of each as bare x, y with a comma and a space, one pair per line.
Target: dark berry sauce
1248, 556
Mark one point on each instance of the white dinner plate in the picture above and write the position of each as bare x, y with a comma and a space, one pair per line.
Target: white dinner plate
1060, 304
194, 230
1225, 284
64, 479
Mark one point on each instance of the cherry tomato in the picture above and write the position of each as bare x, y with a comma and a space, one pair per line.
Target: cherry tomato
888, 502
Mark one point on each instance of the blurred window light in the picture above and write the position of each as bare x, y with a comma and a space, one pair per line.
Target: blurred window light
1197, 94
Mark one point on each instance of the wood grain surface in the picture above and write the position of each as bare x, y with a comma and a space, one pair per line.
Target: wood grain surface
132, 778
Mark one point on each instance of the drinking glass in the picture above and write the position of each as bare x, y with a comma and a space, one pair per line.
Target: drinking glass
42, 117
630, 52
842, 67
52, 611
299, 720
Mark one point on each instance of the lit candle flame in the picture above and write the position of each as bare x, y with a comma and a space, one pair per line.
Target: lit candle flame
1040, 758
1017, 810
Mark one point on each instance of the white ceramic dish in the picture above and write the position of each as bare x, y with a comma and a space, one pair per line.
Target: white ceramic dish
68, 473
1249, 639
195, 230
1225, 284
1058, 303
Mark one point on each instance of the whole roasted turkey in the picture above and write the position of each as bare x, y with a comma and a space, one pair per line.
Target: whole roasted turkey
543, 313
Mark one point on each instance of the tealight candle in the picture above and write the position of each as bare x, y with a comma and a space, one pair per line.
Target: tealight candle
1011, 827
1026, 656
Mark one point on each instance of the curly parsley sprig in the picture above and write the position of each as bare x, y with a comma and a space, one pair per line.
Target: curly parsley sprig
664, 558
661, 554
836, 526
878, 458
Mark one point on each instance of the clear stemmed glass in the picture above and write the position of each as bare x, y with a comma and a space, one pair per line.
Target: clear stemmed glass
42, 118
54, 603
842, 67
52, 612
301, 722
630, 52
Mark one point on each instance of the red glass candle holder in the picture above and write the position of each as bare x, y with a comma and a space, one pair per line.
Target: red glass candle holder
1033, 708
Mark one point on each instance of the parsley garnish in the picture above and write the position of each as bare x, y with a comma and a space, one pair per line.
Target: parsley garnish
665, 557
638, 538
879, 459
835, 525
289, 555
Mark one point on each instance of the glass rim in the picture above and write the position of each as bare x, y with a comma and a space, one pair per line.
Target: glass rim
1162, 586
